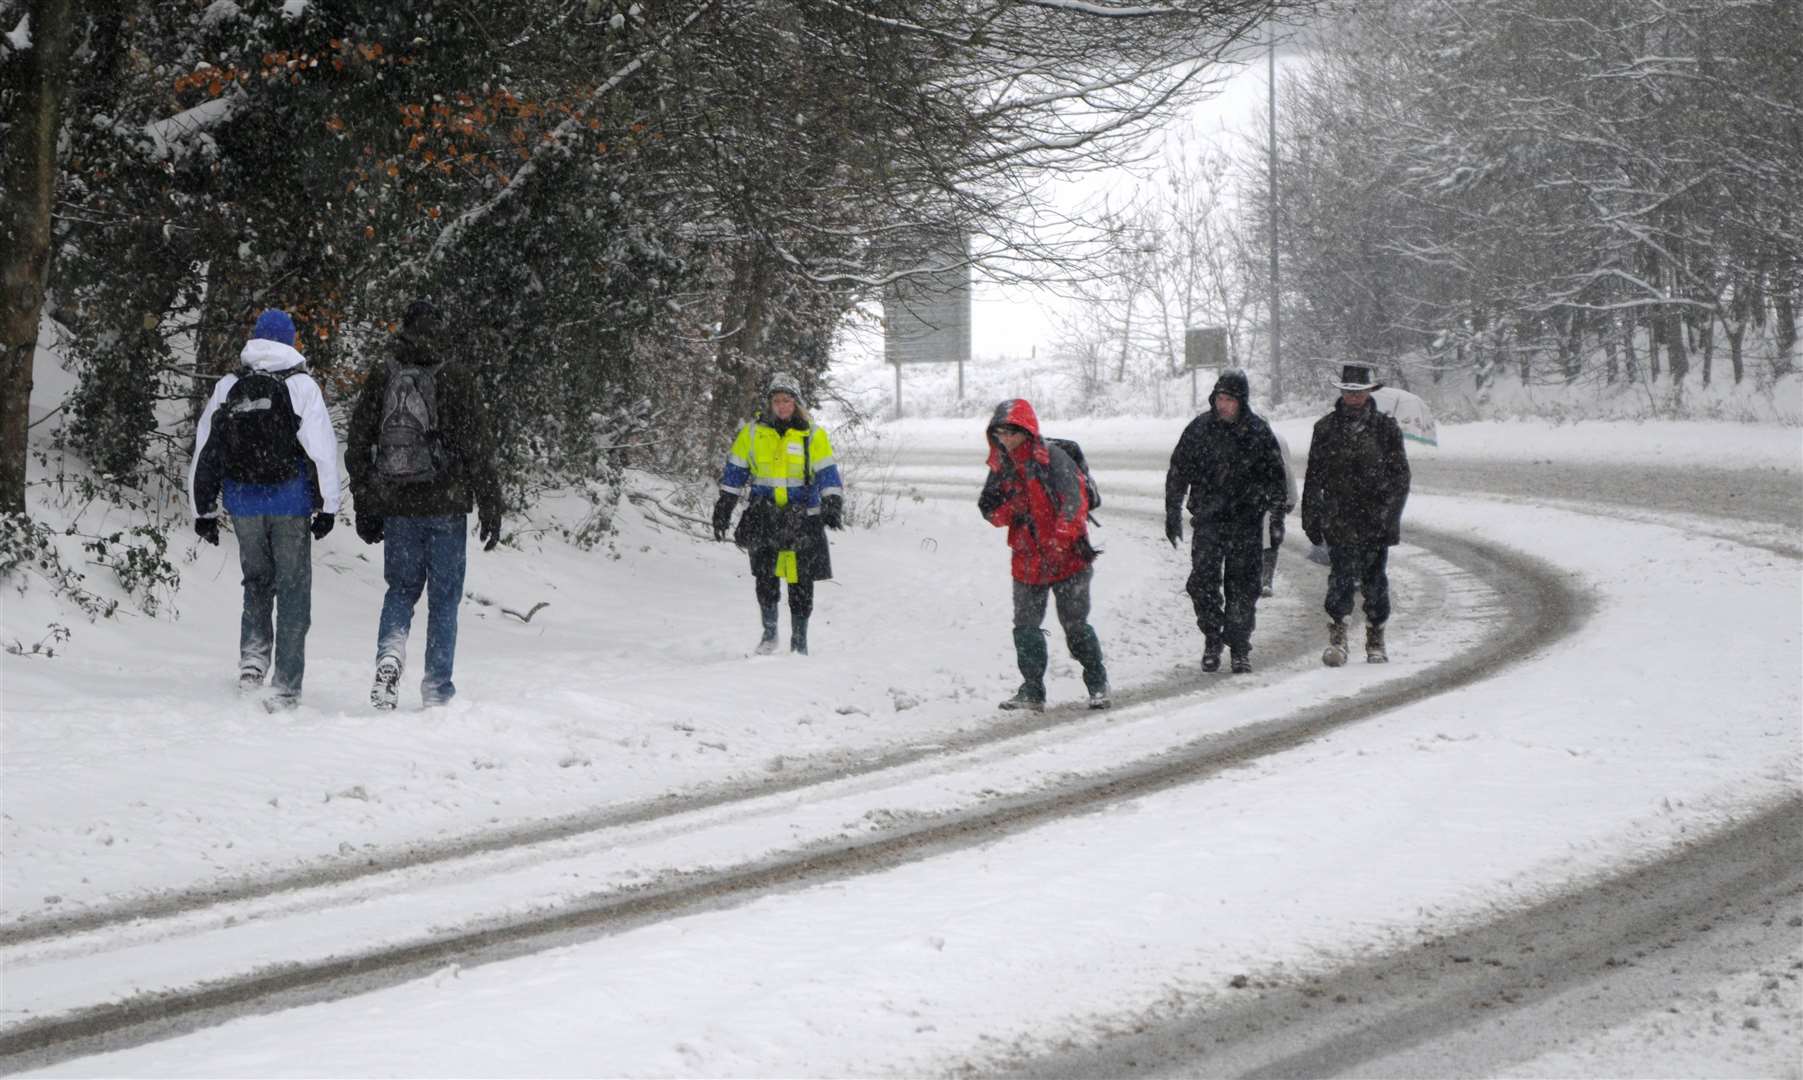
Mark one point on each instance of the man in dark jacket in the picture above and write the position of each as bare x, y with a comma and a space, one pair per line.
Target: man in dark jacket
1036, 491
1352, 498
1228, 463
421, 455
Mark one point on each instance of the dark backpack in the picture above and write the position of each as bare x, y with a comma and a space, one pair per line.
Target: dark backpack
1075, 452
409, 447
258, 429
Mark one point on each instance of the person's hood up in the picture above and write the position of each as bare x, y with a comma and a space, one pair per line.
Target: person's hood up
1019, 412
1016, 411
1234, 384
266, 355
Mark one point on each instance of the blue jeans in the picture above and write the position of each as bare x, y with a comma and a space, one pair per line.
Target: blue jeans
423, 554
275, 552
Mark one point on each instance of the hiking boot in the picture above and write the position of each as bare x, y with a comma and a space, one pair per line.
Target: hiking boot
281, 703
382, 693
1242, 661
1211, 654
1098, 699
1374, 644
1335, 653
249, 681
1024, 699
798, 636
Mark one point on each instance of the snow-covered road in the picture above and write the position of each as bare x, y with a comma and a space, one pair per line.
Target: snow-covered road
1605, 750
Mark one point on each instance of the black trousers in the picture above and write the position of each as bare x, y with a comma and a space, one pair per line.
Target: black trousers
1363, 568
1226, 565
801, 594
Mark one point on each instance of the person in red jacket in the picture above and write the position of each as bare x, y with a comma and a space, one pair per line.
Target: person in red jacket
1036, 492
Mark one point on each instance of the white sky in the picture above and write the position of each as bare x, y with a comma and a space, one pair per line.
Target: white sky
1013, 320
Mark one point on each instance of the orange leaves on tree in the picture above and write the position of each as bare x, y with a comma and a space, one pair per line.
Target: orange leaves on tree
369, 232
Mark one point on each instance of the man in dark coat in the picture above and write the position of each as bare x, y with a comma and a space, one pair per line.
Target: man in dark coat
421, 455
1228, 463
1036, 491
1352, 498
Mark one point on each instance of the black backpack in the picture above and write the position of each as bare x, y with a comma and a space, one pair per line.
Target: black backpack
258, 429
1070, 447
409, 447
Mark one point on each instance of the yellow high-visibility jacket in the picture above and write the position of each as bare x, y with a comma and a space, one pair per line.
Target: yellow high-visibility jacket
782, 466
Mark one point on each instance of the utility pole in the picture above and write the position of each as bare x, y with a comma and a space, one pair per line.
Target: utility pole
1276, 314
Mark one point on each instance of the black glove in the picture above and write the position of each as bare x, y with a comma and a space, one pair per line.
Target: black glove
488, 530
207, 529
991, 500
1276, 530
322, 524
1393, 535
1173, 528
832, 511
1314, 536
723, 513
369, 528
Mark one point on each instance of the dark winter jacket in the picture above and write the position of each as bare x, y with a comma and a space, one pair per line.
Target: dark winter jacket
1037, 494
1357, 479
1232, 472
463, 424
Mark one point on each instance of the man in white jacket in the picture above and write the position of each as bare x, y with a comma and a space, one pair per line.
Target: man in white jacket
265, 443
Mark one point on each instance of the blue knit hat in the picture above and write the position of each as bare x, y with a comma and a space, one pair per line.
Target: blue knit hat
275, 325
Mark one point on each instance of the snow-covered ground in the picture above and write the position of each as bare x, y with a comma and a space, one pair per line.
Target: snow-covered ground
131, 768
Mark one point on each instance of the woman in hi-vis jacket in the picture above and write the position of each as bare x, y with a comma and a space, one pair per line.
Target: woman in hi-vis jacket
782, 465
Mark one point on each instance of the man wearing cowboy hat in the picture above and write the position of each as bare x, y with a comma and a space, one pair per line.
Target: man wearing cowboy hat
1352, 498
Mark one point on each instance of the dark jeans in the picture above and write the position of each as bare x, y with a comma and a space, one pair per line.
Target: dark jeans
424, 554
1362, 567
276, 555
1071, 598
801, 595
1226, 559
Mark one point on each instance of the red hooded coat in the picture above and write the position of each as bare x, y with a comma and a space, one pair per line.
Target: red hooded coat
1037, 494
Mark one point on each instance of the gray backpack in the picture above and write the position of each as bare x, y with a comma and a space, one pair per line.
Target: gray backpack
409, 447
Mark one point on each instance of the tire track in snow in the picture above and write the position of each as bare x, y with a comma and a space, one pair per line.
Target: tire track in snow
1535, 611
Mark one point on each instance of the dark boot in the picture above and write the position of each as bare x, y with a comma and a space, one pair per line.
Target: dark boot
767, 644
1211, 654
1030, 657
1374, 644
1086, 649
1024, 698
1335, 653
798, 634
1242, 660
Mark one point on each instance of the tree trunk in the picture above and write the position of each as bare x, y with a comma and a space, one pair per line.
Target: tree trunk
742, 327
29, 169
1676, 355
1785, 362
1707, 333
1630, 327
1574, 345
